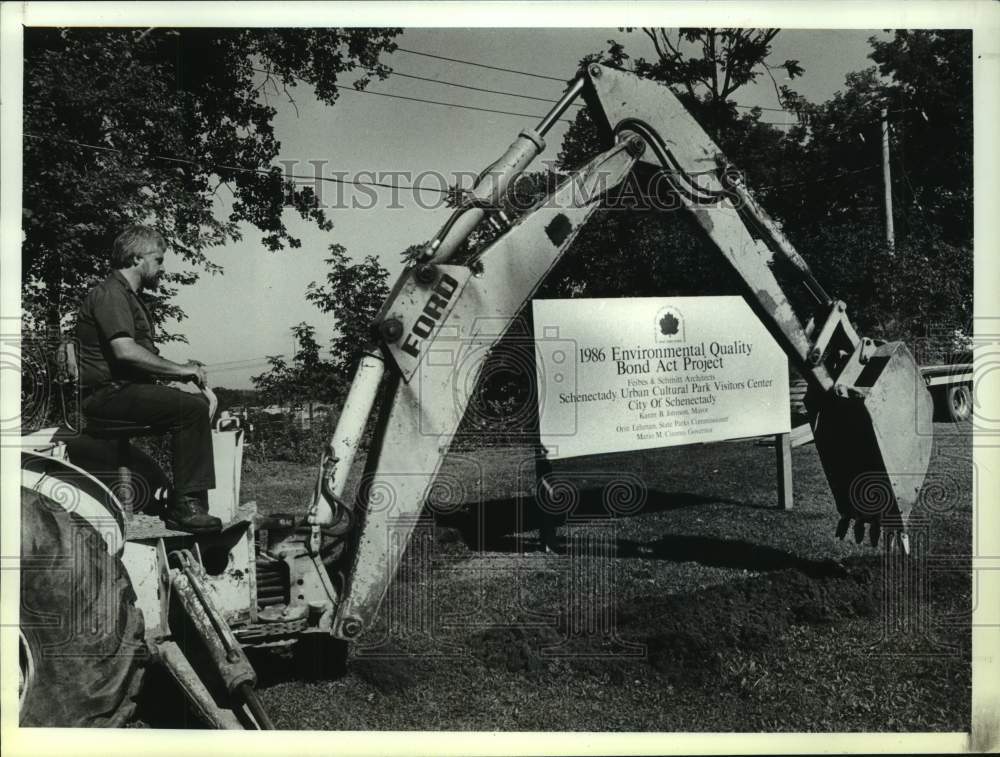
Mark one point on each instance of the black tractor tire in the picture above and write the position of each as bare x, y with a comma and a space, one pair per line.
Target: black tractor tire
958, 403
82, 648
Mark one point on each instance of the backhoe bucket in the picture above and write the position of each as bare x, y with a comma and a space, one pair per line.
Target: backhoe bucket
873, 432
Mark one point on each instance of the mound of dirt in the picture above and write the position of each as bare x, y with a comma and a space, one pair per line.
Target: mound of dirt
516, 649
390, 675
692, 633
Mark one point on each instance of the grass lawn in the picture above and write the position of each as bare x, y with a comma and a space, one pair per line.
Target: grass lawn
700, 606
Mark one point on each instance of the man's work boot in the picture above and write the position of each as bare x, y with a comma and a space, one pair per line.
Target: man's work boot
189, 512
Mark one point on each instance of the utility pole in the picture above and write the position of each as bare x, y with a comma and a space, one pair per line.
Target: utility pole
890, 234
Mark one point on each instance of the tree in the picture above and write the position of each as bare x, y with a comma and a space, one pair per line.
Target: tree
353, 293
125, 126
306, 380
724, 61
303, 383
704, 68
644, 252
821, 180
931, 98
924, 82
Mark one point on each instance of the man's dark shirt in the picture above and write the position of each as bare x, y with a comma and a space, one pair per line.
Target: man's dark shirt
110, 310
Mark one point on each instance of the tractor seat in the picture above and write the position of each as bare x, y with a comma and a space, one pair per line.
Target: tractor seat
111, 428
121, 432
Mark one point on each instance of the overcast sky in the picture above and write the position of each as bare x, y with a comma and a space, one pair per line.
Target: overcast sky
236, 319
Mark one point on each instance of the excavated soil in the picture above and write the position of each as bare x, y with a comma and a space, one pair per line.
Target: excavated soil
688, 635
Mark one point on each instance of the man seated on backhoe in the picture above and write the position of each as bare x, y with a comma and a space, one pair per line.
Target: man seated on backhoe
120, 367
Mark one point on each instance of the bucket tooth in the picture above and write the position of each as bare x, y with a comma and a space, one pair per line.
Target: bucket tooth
842, 526
897, 541
904, 542
874, 532
859, 531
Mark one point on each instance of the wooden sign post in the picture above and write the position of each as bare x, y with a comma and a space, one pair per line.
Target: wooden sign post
783, 453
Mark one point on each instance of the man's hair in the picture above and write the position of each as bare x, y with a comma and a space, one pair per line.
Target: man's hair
135, 240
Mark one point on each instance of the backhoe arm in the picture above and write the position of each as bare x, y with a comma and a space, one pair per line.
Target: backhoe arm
704, 183
869, 408
438, 327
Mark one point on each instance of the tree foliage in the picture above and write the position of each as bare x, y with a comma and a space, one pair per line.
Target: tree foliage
645, 252
821, 179
130, 126
307, 379
931, 94
353, 294
724, 60
924, 82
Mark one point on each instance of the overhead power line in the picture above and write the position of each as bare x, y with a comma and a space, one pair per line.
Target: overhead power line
473, 88
438, 102
396, 72
563, 80
821, 179
232, 368
247, 360
450, 105
761, 107
560, 79
530, 73
237, 169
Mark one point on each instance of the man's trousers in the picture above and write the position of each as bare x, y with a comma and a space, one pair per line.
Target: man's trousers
184, 415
